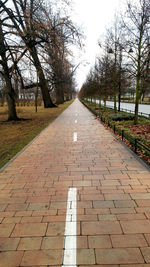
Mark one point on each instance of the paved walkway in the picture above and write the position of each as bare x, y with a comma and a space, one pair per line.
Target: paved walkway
113, 199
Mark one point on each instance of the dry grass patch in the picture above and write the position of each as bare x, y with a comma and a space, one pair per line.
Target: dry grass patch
15, 135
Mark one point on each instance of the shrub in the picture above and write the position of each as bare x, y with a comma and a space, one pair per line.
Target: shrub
121, 117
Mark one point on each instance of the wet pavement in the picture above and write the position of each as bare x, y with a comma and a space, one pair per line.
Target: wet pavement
75, 196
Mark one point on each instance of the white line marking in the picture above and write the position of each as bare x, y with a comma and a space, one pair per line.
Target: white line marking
70, 239
75, 121
75, 137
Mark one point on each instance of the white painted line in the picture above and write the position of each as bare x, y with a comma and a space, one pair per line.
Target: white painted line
70, 239
75, 137
76, 121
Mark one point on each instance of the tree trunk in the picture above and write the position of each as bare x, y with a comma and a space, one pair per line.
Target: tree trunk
59, 94
137, 100
42, 81
10, 94
138, 80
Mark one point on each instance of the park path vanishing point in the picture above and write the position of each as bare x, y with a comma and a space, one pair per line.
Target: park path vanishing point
74, 197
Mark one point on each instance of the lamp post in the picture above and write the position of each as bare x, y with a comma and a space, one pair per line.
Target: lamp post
110, 51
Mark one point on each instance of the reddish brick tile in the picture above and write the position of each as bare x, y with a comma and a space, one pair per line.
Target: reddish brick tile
12, 220
44, 213
17, 207
146, 254
99, 241
107, 217
122, 210
117, 196
29, 229
140, 196
143, 202
53, 242
56, 229
54, 219
125, 203
85, 256
6, 229
118, 256
97, 211
101, 227
3, 207
136, 226
103, 204
23, 213
147, 237
7, 244
42, 257
38, 206
30, 243
82, 183
10, 258
128, 241
38, 199
92, 197
31, 219
127, 217
84, 218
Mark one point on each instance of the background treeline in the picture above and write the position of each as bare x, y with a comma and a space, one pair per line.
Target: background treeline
123, 66
35, 56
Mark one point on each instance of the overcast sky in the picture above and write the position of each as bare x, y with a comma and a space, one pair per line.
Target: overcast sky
94, 16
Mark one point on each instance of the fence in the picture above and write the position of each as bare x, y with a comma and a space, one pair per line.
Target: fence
143, 114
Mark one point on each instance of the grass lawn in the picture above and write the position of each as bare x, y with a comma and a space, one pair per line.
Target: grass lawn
15, 135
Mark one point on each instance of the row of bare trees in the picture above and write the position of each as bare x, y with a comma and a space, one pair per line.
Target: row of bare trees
35, 37
124, 64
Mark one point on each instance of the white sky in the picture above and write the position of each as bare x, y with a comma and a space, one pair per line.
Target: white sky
94, 16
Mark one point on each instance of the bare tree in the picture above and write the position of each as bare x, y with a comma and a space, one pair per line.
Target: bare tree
136, 25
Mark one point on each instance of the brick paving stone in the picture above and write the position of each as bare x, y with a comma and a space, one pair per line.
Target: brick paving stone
122, 210
107, 217
38, 206
7, 244
113, 201
101, 227
12, 220
119, 256
128, 241
85, 256
117, 196
29, 229
56, 229
103, 204
124, 203
99, 241
30, 243
92, 197
53, 242
17, 207
10, 258
135, 226
42, 257
127, 217
134, 265
146, 254
6, 229
147, 237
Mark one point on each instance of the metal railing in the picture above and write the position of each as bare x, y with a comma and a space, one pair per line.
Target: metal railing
96, 101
